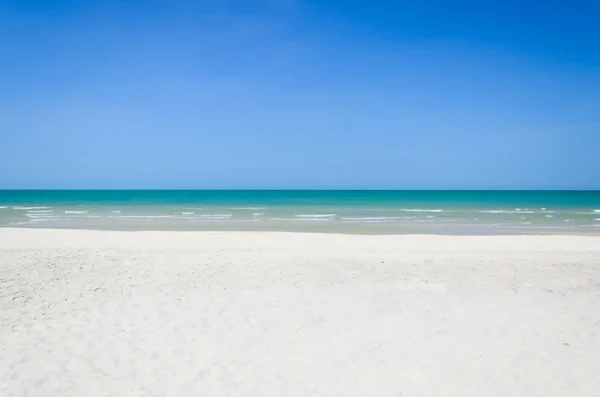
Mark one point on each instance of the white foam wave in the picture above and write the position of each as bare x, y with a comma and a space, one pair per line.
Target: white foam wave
186, 213
376, 218
215, 216
420, 210
76, 212
549, 216
115, 212
146, 216
596, 211
510, 224
30, 208
597, 219
249, 208
39, 211
258, 213
518, 211
316, 216
3, 206
300, 219
33, 221
40, 215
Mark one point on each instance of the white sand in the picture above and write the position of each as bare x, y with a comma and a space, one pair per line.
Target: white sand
93, 313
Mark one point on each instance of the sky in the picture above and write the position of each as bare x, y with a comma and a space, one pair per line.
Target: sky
283, 94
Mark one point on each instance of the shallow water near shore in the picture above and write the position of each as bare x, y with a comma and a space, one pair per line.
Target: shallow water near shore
350, 211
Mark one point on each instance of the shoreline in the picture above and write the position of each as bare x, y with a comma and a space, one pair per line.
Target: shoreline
362, 231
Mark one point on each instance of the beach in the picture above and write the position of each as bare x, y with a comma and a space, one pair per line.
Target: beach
165, 313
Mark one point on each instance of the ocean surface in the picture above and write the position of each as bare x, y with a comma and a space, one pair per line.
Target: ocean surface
349, 211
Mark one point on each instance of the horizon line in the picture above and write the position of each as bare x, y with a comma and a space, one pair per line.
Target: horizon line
303, 189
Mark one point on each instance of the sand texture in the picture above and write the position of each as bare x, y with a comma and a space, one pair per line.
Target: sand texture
100, 313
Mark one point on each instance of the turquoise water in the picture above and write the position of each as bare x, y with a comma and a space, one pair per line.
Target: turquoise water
354, 211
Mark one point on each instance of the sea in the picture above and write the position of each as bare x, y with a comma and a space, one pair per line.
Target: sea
335, 211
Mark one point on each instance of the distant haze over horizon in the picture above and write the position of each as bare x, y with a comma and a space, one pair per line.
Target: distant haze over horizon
291, 94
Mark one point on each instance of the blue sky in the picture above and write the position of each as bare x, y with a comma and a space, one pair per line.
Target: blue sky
300, 94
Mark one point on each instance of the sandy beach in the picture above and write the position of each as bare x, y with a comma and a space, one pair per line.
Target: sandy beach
105, 313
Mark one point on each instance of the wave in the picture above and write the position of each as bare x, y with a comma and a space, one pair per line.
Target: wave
3, 206
186, 213
517, 211
596, 211
316, 216
215, 216
300, 219
249, 208
377, 218
146, 216
35, 220
115, 212
76, 212
30, 208
40, 215
509, 224
40, 211
258, 213
371, 218
420, 210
